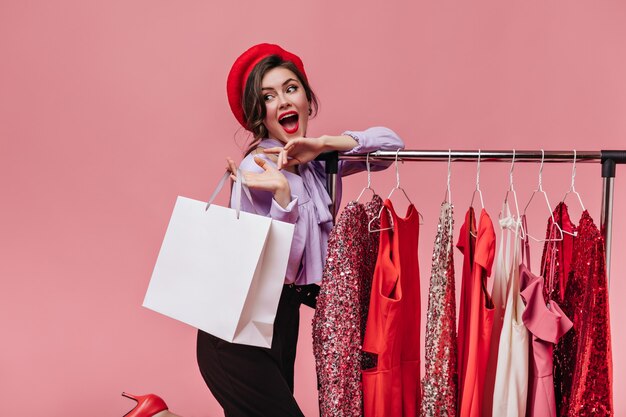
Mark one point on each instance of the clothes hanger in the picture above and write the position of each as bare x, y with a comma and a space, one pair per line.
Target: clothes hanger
477, 190
512, 190
448, 196
369, 179
397, 187
572, 189
541, 190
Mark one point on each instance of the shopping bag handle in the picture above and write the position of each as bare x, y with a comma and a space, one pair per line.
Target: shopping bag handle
239, 185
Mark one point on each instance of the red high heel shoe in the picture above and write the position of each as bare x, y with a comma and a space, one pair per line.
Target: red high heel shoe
147, 405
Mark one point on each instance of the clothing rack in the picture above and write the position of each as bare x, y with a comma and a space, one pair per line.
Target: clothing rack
608, 159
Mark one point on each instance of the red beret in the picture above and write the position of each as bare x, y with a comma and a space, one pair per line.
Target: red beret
239, 73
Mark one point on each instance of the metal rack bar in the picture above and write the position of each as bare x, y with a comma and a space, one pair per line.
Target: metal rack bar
608, 158
485, 156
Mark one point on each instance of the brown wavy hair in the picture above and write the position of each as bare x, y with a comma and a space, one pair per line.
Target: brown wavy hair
252, 101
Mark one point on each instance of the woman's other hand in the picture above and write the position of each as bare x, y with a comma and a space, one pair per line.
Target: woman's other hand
297, 151
271, 179
303, 150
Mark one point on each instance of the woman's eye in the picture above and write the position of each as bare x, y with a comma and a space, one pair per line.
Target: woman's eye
292, 88
267, 97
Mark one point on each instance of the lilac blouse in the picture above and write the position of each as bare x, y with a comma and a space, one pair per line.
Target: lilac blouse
309, 206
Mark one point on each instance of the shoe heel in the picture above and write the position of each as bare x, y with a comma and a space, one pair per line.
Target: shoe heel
147, 405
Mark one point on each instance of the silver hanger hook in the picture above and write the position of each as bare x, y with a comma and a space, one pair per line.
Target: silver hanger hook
397, 170
369, 178
449, 193
573, 172
478, 173
477, 190
572, 188
540, 188
511, 172
506, 199
369, 172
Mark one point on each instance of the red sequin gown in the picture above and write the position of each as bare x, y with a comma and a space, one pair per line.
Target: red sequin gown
341, 312
439, 383
559, 254
589, 353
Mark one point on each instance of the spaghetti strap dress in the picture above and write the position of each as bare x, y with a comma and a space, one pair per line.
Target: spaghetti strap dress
511, 385
476, 312
392, 387
501, 276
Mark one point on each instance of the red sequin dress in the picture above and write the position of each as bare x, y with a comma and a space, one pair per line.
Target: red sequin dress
341, 312
558, 255
586, 302
439, 383
562, 251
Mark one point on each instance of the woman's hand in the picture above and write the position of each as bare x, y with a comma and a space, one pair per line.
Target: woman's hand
298, 151
302, 150
270, 179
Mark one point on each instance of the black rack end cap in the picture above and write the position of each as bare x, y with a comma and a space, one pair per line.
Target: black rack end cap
332, 161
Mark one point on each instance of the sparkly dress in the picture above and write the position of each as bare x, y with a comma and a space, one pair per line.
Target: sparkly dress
392, 388
476, 311
562, 251
559, 255
339, 319
440, 380
586, 298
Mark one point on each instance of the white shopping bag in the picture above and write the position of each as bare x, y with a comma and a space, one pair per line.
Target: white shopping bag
221, 270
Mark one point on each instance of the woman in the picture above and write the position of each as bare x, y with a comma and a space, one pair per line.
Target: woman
270, 96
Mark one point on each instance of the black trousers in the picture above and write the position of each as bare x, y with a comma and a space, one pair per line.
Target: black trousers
250, 381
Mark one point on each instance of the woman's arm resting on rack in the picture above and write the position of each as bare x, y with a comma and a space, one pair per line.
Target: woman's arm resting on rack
377, 138
370, 140
302, 150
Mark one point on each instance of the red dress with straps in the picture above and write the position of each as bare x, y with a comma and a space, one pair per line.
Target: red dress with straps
392, 388
476, 311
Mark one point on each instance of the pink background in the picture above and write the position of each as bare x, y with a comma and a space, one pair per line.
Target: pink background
110, 109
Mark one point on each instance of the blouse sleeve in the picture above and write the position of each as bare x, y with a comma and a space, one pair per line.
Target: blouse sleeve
264, 202
370, 140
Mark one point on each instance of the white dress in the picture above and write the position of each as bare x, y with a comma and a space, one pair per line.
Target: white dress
511, 383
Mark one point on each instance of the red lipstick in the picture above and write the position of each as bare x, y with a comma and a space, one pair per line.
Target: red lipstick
289, 121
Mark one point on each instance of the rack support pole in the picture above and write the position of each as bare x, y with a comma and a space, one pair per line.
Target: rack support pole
332, 167
606, 211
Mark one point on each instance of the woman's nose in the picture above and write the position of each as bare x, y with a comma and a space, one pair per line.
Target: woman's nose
283, 101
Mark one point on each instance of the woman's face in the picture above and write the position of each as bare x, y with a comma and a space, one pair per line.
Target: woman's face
286, 105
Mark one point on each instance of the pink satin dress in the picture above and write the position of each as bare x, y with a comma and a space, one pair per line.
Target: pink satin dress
547, 324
